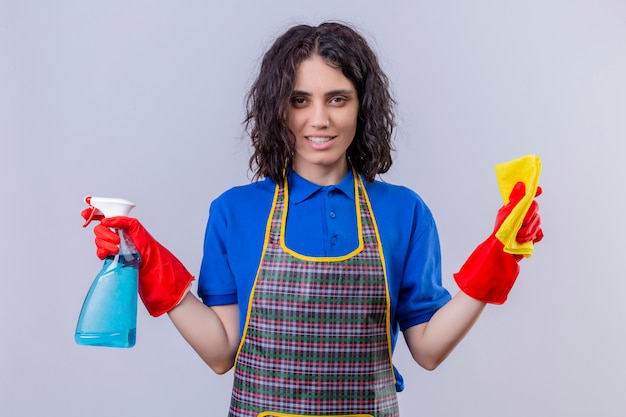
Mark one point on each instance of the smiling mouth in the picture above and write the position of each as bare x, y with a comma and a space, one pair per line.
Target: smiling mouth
320, 139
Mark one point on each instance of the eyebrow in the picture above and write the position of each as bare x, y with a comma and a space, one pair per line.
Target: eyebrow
329, 93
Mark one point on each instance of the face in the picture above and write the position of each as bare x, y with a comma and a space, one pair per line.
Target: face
323, 118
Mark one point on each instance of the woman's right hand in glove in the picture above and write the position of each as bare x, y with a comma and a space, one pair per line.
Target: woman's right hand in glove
163, 279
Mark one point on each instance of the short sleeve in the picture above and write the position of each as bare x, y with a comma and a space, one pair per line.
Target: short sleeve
216, 283
421, 291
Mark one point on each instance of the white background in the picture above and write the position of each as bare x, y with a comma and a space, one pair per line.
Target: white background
144, 100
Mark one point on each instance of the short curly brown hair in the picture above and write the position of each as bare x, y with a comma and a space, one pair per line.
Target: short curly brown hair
268, 99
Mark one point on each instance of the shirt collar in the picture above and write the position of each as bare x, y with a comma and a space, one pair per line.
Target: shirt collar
301, 189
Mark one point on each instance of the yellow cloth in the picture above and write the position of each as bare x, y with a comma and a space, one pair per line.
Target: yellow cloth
525, 169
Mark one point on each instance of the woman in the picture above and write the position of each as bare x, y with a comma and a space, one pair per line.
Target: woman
310, 272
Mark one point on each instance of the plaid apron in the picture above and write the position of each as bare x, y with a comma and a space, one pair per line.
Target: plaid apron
316, 340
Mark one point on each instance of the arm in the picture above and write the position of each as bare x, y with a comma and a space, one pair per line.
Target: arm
486, 277
213, 332
430, 343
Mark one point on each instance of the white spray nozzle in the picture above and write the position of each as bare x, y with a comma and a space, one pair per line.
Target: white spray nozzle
110, 207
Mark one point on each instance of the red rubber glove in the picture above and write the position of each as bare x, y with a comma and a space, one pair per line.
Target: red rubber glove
489, 273
163, 279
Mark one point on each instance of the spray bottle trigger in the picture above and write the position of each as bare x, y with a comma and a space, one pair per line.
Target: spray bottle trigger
91, 213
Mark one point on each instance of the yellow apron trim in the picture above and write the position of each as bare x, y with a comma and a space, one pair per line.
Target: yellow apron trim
323, 258
268, 230
272, 414
527, 170
384, 266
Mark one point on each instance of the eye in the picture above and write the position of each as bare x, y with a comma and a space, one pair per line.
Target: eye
338, 100
298, 101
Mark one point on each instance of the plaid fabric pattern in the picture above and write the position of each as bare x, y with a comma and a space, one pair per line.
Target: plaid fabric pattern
316, 340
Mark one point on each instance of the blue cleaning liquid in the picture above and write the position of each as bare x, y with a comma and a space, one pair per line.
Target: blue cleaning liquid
109, 313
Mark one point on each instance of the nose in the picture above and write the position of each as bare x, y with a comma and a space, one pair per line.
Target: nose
320, 118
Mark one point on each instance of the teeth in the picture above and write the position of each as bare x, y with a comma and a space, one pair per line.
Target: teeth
318, 140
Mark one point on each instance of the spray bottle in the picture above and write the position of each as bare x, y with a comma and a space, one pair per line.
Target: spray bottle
109, 313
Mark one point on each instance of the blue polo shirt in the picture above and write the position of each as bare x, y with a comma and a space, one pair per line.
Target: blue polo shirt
321, 221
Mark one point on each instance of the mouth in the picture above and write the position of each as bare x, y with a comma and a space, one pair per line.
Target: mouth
319, 139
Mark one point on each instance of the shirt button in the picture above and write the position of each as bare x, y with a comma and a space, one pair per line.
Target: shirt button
332, 214
333, 240
331, 193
